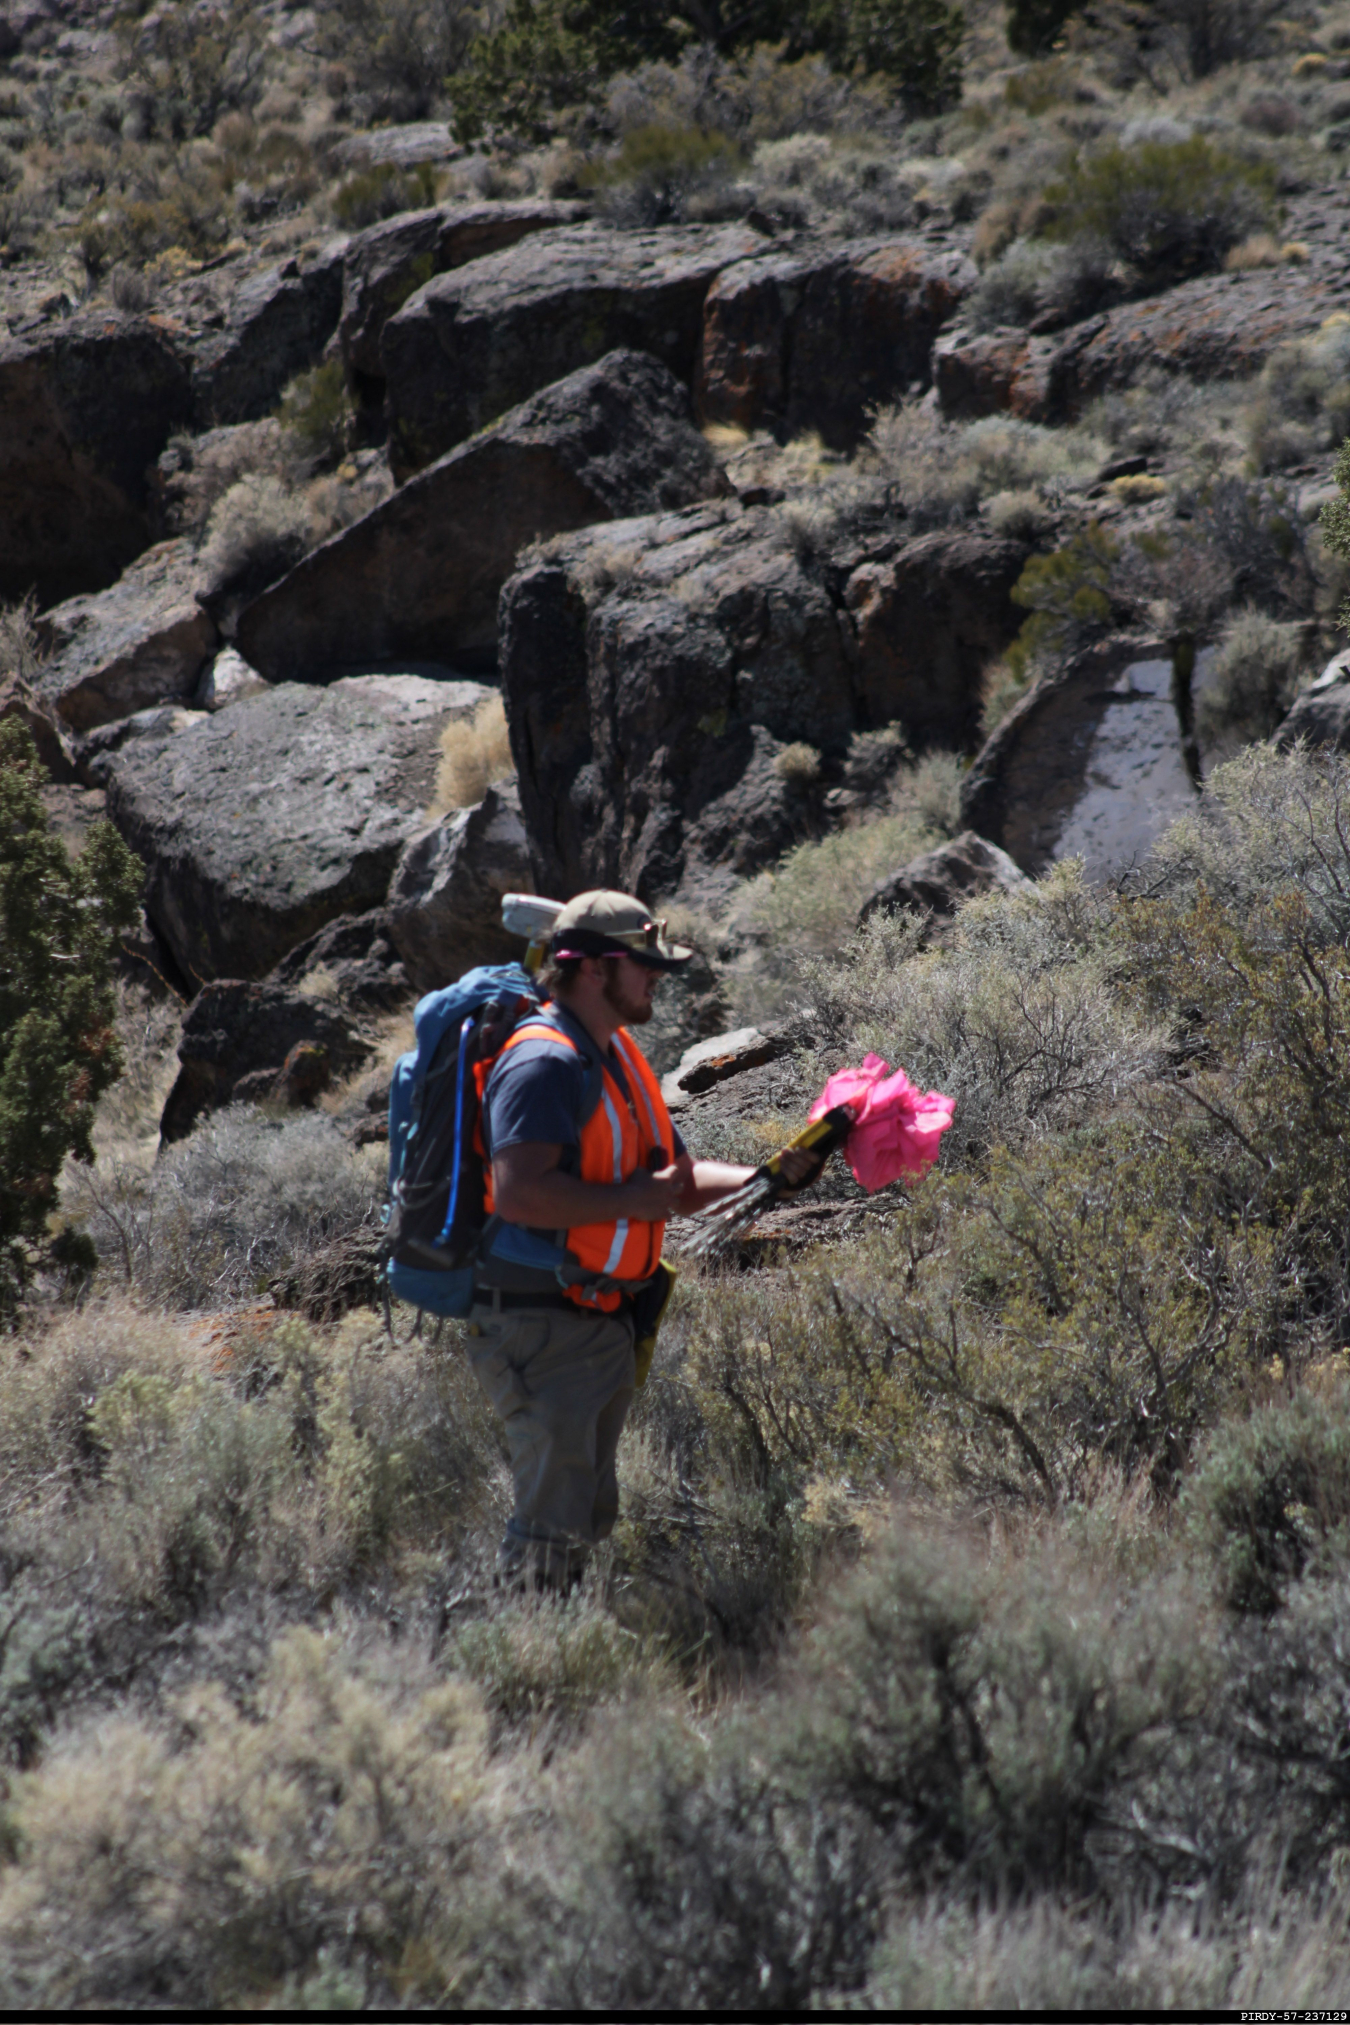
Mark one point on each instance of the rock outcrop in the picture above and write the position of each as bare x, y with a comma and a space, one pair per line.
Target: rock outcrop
654, 671
1222, 326
445, 899
472, 343
240, 1040
817, 339
944, 879
265, 821
86, 406
143, 641
420, 576
928, 620
1321, 715
277, 325
1087, 765
385, 264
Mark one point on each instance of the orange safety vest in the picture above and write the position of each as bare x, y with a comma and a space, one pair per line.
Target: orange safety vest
615, 1142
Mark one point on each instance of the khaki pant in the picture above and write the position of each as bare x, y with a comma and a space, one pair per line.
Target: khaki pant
562, 1385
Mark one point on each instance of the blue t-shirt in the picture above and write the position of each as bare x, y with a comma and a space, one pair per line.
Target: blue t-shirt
536, 1091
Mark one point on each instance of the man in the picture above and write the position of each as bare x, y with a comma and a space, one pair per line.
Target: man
584, 1166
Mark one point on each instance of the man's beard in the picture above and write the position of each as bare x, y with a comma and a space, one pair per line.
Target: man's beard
632, 1011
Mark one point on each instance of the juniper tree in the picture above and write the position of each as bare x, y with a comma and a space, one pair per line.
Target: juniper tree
58, 1048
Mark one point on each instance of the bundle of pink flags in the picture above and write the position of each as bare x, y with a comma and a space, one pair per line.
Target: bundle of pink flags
887, 1129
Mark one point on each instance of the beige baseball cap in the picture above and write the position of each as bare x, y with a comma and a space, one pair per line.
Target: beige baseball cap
602, 923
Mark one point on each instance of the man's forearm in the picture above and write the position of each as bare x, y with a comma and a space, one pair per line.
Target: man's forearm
709, 1181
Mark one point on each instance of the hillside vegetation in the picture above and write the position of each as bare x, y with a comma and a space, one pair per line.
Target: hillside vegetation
977, 1630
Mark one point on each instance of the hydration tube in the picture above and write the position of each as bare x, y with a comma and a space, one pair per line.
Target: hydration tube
461, 1073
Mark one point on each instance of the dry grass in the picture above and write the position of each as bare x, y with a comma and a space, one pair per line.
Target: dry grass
474, 752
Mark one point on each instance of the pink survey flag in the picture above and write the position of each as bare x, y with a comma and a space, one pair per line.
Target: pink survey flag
898, 1129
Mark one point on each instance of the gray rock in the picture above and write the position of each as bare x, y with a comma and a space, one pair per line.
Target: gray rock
94, 753
140, 643
712, 1061
422, 573
386, 264
655, 669
86, 406
445, 899
942, 880
1088, 765
1321, 715
403, 146
19, 699
816, 340
473, 343
228, 679
277, 325
351, 960
265, 821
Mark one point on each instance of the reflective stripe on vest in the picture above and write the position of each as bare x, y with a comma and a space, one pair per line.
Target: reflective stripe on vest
614, 1144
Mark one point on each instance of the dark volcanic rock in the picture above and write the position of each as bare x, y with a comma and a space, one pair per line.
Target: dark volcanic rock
86, 406
475, 342
929, 620
263, 822
652, 671
1222, 326
351, 957
655, 669
236, 1041
420, 576
445, 899
386, 264
816, 340
941, 880
995, 372
277, 325
141, 642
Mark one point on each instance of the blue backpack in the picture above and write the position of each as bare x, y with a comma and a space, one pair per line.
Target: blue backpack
435, 1216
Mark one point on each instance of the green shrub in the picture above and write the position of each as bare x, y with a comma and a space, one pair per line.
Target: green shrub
316, 408
1167, 208
193, 64
401, 52
1302, 403
551, 56
1069, 596
58, 1047
215, 1857
550, 1660
1253, 678
1270, 1498
382, 192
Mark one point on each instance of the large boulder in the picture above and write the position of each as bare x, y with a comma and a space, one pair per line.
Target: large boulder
473, 343
445, 899
420, 576
1219, 327
1089, 764
142, 642
277, 325
263, 822
928, 620
655, 670
239, 1038
996, 372
942, 880
86, 406
386, 264
1321, 715
816, 340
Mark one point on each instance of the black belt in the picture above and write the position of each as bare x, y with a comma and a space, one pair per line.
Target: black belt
497, 1297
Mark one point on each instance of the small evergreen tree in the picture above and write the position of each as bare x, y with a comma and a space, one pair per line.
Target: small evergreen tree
551, 55
58, 1050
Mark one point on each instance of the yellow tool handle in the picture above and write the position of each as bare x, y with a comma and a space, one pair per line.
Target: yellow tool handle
823, 1136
